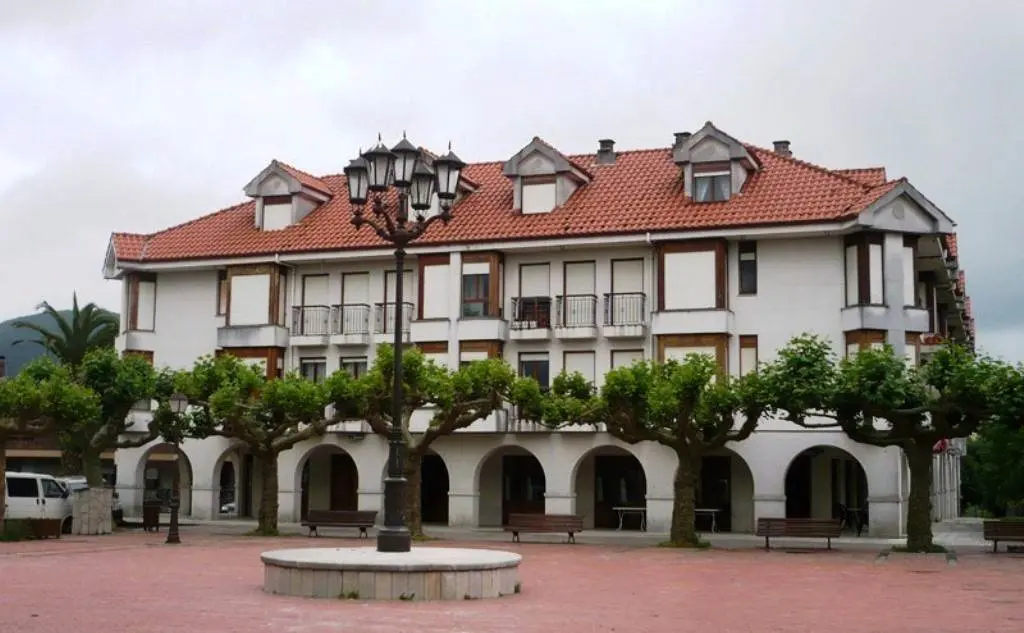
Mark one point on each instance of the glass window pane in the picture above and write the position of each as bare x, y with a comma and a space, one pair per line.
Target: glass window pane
20, 487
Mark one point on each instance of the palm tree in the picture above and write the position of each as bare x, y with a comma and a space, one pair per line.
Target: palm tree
75, 334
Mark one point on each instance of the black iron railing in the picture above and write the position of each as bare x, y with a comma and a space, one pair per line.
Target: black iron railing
311, 320
625, 308
576, 311
530, 313
350, 318
384, 319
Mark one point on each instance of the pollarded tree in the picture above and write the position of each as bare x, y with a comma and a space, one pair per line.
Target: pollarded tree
36, 408
120, 383
877, 399
455, 399
687, 406
230, 398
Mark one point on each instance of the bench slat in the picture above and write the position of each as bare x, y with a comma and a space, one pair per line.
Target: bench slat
361, 519
996, 530
799, 528
522, 522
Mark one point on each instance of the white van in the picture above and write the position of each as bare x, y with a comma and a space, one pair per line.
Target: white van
37, 496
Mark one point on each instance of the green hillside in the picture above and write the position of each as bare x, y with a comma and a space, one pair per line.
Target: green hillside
18, 355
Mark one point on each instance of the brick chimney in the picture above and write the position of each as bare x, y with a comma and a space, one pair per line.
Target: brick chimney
680, 138
606, 152
782, 148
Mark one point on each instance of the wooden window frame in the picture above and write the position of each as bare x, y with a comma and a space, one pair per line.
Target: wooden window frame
223, 292
422, 262
278, 276
863, 241
746, 247
520, 361
308, 360
863, 339
749, 341
354, 360
134, 279
910, 241
481, 296
565, 355
718, 246
270, 355
495, 262
719, 341
913, 339
713, 174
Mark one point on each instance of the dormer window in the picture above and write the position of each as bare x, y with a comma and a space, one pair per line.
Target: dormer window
277, 212
712, 187
542, 178
539, 194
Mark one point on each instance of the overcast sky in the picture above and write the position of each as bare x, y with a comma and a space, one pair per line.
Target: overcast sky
119, 115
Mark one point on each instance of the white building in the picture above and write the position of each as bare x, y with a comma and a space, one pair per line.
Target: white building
551, 262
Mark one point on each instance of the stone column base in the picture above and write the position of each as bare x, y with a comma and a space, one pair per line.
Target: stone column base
92, 511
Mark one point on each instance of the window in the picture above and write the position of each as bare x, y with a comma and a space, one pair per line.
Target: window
222, 292
748, 354
626, 357
52, 490
712, 187
535, 365
475, 291
22, 487
313, 369
748, 268
356, 367
538, 194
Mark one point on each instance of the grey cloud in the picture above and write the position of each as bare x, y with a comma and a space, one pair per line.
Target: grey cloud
181, 103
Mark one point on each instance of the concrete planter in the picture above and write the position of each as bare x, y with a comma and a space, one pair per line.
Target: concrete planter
92, 511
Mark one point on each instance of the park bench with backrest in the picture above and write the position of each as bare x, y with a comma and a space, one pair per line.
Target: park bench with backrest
523, 522
799, 528
362, 519
996, 530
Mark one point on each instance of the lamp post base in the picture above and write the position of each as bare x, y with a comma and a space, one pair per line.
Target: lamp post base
395, 540
173, 537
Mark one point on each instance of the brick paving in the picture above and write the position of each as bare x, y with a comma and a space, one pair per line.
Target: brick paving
132, 582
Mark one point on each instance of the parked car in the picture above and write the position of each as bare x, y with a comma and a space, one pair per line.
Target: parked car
38, 496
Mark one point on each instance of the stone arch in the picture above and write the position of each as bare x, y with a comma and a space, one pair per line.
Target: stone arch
510, 479
605, 478
326, 478
236, 483
156, 470
725, 493
826, 481
435, 484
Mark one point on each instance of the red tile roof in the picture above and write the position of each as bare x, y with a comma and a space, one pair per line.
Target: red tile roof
870, 176
641, 192
307, 180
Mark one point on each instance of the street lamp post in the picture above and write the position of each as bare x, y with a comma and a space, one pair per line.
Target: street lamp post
416, 178
178, 404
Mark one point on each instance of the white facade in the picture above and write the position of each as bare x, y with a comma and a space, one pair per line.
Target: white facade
800, 288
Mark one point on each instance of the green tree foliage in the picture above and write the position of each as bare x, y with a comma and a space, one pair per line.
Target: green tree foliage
31, 407
454, 399
73, 334
689, 406
119, 383
877, 399
232, 399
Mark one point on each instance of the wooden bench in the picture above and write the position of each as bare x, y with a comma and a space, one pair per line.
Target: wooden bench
799, 528
568, 523
362, 519
996, 530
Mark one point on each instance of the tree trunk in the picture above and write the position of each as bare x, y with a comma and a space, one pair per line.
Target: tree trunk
684, 530
92, 469
267, 525
919, 508
3, 480
413, 480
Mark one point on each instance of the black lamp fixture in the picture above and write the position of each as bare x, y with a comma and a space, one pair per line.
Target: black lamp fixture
178, 404
417, 179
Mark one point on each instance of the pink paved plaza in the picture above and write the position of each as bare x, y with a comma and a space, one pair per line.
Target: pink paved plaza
132, 582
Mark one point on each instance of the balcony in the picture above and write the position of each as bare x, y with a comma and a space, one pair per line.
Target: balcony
576, 317
384, 321
511, 422
625, 315
484, 328
531, 319
429, 330
917, 319
350, 324
265, 335
140, 340
866, 317
707, 321
310, 325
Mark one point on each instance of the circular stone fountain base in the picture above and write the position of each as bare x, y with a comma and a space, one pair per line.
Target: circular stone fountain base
426, 573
